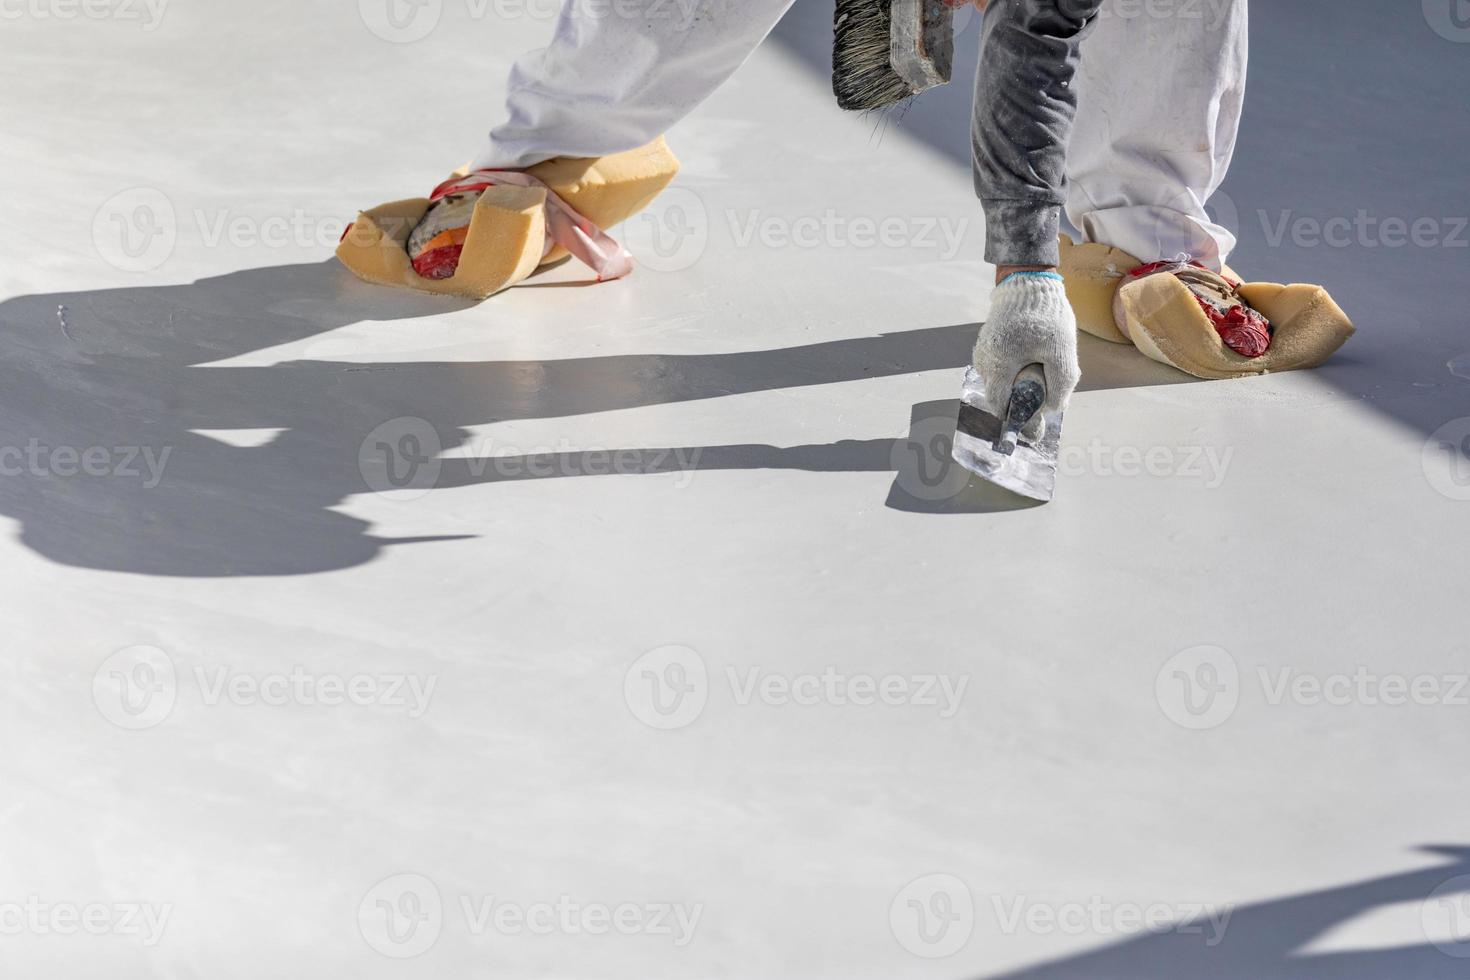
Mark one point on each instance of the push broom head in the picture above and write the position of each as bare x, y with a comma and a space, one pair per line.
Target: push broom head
884, 51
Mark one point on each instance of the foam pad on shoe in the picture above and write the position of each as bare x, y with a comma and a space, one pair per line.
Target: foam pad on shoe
1163, 319
1309, 325
507, 236
503, 246
1091, 274
609, 190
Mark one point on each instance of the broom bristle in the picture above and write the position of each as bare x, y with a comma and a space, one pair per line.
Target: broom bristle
862, 77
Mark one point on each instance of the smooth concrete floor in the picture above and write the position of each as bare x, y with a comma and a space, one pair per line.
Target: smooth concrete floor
637, 630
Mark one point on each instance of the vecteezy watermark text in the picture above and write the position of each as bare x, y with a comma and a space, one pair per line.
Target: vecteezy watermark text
138, 687
123, 462
149, 13
403, 458
668, 687
1201, 687
403, 915
33, 916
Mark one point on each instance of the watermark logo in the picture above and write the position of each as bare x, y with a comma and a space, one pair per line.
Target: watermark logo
1205, 465
148, 13
1212, 12
674, 232
404, 915
1097, 916
943, 692
35, 458
671, 234
300, 688
406, 21
401, 21
1364, 230
1450, 19
922, 462
831, 229
1445, 915
297, 228
1446, 459
933, 916
400, 458
135, 230
401, 916
133, 920
667, 688
136, 687
1198, 688
139, 687
567, 916
1362, 688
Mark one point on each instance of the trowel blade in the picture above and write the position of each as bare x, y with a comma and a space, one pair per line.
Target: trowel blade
1031, 470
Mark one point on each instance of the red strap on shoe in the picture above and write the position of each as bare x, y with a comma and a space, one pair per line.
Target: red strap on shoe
1241, 328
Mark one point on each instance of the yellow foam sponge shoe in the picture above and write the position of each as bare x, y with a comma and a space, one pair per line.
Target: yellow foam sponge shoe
506, 239
1162, 317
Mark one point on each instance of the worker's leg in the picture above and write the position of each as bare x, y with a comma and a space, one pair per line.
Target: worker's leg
615, 77
1024, 105
1160, 91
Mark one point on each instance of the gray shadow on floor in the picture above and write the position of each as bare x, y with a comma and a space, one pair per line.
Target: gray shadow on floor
1353, 107
1261, 941
120, 373
926, 480
117, 382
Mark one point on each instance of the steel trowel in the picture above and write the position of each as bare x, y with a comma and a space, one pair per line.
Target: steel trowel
994, 449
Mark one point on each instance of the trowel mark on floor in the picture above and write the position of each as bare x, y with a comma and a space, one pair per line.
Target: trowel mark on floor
1459, 365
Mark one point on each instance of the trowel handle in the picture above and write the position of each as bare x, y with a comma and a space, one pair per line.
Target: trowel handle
1028, 394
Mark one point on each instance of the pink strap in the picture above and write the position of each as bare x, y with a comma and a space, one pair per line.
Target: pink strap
564, 226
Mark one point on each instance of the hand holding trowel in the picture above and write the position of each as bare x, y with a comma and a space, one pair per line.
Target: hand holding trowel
1025, 362
1021, 376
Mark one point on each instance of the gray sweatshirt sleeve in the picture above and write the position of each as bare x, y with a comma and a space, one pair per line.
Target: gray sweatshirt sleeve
1024, 106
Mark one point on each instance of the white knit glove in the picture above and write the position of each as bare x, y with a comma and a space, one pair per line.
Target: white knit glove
1030, 322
